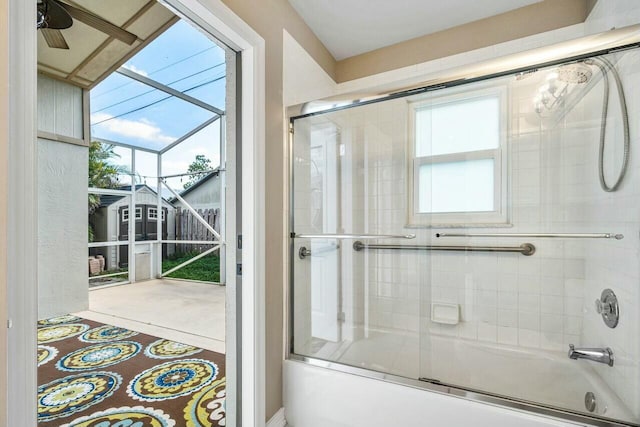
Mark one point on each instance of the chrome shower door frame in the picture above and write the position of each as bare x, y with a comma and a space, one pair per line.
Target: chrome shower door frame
609, 42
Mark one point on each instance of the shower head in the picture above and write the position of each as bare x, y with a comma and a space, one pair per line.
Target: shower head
558, 90
576, 73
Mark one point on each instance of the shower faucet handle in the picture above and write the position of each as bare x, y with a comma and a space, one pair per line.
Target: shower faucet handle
607, 306
603, 307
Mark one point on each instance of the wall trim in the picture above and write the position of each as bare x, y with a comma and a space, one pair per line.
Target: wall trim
4, 203
22, 222
536, 18
224, 24
22, 225
278, 419
61, 138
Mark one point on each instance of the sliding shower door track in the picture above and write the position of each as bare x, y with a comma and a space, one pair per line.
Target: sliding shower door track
438, 386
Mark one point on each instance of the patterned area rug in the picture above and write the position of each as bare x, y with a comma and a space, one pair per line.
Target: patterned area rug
96, 375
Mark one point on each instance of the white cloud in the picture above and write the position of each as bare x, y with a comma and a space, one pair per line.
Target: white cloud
173, 167
140, 129
133, 68
199, 150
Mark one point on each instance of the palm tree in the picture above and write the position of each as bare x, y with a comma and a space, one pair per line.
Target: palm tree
102, 173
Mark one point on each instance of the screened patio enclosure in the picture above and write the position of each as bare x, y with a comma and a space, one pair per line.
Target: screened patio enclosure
155, 123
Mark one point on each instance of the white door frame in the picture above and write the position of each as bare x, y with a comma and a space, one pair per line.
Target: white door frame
21, 164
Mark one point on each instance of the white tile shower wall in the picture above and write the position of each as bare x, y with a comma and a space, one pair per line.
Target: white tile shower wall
614, 263
504, 298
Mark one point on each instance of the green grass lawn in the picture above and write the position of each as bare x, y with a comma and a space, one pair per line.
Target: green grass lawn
206, 269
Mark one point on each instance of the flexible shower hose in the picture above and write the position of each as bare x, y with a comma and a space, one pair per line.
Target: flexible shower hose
604, 65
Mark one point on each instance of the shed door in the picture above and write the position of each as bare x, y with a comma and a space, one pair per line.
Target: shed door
124, 217
151, 225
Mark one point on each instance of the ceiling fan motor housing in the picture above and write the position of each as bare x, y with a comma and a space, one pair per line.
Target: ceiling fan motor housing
52, 15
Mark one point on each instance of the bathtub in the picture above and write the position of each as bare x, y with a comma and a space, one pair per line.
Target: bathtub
462, 368
533, 375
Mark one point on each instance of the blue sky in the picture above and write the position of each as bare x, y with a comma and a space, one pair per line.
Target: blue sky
125, 110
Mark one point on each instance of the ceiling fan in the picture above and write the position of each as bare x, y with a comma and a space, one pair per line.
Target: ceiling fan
54, 15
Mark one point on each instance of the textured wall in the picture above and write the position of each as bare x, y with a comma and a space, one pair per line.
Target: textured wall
62, 228
62, 202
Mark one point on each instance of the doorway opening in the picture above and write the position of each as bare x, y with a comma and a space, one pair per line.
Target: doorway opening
145, 125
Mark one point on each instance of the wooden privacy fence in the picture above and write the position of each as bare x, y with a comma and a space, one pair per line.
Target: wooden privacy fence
189, 228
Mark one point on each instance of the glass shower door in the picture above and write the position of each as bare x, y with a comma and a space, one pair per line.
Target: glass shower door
457, 238
348, 302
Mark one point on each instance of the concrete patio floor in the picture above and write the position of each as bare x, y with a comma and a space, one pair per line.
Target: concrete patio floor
189, 312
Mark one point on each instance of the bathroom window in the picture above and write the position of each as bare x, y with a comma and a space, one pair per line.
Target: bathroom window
458, 166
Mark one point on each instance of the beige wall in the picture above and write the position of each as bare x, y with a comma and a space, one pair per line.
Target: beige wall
4, 101
536, 18
269, 18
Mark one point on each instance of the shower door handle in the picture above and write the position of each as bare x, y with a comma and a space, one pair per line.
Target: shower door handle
305, 252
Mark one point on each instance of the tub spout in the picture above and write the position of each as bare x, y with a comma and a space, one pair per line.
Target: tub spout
600, 355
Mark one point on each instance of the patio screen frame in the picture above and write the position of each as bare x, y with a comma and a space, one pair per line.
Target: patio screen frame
19, 407
218, 242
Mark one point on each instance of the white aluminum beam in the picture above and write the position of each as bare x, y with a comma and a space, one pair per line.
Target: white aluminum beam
132, 221
108, 244
188, 135
169, 90
193, 242
109, 191
122, 273
125, 145
158, 261
222, 147
178, 175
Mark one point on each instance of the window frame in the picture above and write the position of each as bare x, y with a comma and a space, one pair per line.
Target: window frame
152, 214
125, 214
500, 215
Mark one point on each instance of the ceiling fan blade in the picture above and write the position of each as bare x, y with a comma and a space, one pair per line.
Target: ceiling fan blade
100, 24
54, 38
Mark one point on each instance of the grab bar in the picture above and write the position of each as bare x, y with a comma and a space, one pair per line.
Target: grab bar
526, 249
549, 235
353, 236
